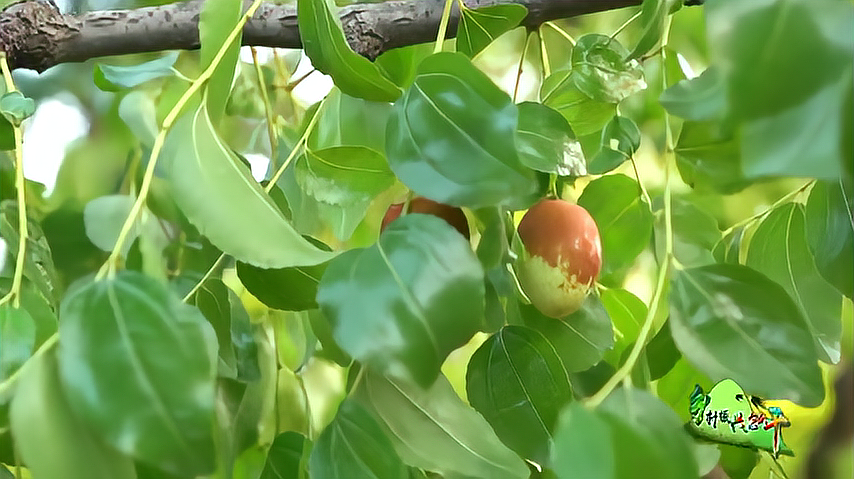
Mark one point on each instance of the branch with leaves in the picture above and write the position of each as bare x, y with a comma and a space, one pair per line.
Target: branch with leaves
36, 35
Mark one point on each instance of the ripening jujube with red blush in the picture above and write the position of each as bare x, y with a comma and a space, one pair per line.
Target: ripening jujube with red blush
451, 214
564, 256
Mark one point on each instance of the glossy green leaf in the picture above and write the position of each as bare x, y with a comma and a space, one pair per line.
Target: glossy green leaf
348, 121
777, 145
652, 16
632, 435
403, 304
7, 135
733, 322
580, 339
620, 140
517, 382
131, 393
433, 429
216, 21
324, 43
285, 456
343, 180
673, 387
288, 289
695, 232
830, 234
17, 338
219, 196
238, 353
16, 108
38, 264
39, 309
323, 331
355, 446
780, 251
454, 112
708, 157
603, 71
661, 353
478, 28
400, 64
627, 312
546, 142
138, 111
755, 42
122, 77
728, 249
584, 114
50, 438
701, 98
623, 217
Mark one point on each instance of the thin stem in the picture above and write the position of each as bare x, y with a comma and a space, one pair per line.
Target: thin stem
20, 187
626, 24
357, 381
784, 199
640, 184
136, 209
544, 54
521, 65
268, 107
290, 86
562, 32
207, 275
663, 271
443, 26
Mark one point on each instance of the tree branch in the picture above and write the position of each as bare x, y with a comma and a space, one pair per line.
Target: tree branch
35, 35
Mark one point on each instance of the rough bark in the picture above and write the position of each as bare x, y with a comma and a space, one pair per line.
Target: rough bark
35, 35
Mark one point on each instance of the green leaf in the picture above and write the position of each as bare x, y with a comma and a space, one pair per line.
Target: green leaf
478, 28
584, 114
7, 134
661, 353
343, 180
217, 193
695, 232
546, 142
123, 77
323, 330
324, 43
708, 157
454, 112
285, 456
728, 249
224, 311
754, 44
620, 140
580, 339
216, 21
400, 64
517, 382
780, 251
138, 111
349, 121
602, 71
433, 429
403, 304
777, 145
623, 217
133, 389
288, 289
37, 307
830, 233
627, 312
673, 387
733, 322
354, 446
738, 462
16, 108
104, 217
653, 14
38, 265
633, 435
50, 438
701, 98
17, 338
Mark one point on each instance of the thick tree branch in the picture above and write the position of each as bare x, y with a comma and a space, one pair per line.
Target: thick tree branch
35, 35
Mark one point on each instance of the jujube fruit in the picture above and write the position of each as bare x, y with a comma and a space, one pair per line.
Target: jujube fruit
452, 215
564, 256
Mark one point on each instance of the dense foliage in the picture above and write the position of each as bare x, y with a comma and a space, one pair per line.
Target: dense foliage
165, 315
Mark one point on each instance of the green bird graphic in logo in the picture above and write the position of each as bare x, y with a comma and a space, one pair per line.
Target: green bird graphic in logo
727, 415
